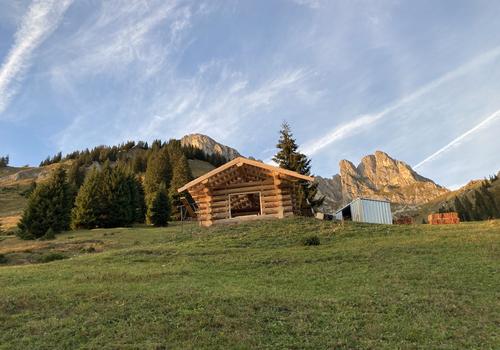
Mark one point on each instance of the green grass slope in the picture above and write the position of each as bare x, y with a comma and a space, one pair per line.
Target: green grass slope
255, 285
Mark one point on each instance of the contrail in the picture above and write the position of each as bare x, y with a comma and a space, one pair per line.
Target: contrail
41, 19
355, 126
458, 139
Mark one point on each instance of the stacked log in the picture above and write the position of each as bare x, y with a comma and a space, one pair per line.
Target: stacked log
443, 218
404, 220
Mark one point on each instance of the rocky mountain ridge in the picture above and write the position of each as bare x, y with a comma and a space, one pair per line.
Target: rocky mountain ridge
209, 146
377, 176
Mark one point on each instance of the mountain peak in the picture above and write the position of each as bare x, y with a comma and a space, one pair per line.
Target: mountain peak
209, 145
380, 176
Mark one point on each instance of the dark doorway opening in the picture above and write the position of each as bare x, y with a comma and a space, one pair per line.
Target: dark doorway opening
346, 213
244, 204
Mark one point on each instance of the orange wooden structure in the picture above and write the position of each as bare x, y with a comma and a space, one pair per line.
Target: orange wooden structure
443, 218
245, 189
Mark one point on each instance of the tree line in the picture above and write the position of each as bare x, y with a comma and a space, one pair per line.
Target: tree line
4, 161
479, 204
135, 154
107, 195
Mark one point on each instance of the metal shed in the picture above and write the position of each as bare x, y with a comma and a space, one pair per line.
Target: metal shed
366, 210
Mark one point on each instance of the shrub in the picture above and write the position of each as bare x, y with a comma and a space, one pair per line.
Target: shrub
24, 235
3, 259
48, 235
311, 240
51, 257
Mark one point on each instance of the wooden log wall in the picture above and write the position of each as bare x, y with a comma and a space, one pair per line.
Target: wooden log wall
213, 203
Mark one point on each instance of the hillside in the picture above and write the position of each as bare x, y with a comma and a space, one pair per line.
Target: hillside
254, 286
15, 182
203, 152
377, 176
447, 200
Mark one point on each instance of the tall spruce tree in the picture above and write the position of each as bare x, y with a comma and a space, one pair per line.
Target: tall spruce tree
89, 202
181, 174
76, 173
49, 207
120, 206
288, 157
158, 171
158, 212
138, 199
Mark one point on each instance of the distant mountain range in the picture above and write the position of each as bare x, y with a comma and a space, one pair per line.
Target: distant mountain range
377, 176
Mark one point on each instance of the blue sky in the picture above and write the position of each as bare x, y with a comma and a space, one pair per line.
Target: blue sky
419, 80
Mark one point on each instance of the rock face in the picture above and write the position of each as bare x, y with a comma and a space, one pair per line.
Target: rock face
209, 145
378, 176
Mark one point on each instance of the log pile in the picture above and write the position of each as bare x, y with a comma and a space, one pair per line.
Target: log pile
443, 218
404, 220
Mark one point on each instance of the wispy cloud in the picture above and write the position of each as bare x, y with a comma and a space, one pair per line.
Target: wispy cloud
359, 123
41, 19
203, 104
314, 4
459, 139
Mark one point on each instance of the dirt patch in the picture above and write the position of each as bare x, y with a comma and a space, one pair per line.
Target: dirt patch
9, 222
25, 252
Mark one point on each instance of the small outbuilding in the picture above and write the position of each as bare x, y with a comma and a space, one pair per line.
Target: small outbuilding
366, 210
245, 189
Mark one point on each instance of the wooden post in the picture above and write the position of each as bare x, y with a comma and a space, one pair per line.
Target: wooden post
279, 196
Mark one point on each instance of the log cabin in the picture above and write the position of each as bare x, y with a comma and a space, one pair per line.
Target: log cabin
245, 189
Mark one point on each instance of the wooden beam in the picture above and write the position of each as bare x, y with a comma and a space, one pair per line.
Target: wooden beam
245, 161
279, 198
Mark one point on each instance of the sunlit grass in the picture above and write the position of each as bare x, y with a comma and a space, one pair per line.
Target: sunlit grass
255, 285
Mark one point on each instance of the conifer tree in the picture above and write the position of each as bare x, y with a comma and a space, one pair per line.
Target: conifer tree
139, 164
109, 198
481, 207
49, 207
288, 157
158, 171
181, 174
4, 161
76, 173
89, 203
491, 205
138, 199
460, 209
158, 212
469, 208
120, 206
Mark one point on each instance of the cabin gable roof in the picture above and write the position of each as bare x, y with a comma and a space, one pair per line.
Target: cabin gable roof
245, 161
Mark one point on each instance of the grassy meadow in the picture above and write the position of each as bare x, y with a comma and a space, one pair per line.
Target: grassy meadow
254, 285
